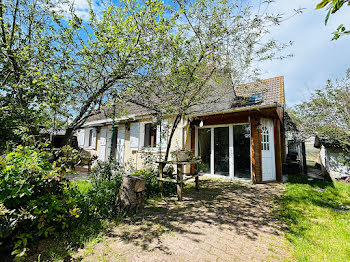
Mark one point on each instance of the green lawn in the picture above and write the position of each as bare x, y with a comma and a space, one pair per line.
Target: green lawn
82, 184
318, 216
312, 153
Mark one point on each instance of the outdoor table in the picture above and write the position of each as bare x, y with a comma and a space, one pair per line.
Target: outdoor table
181, 177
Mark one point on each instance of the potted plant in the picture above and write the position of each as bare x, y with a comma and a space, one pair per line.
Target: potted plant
182, 155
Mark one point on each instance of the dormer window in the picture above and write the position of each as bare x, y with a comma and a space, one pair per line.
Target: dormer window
255, 98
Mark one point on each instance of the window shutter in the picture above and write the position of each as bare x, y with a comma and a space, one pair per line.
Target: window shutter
134, 136
86, 138
81, 137
94, 135
142, 136
102, 147
120, 144
162, 135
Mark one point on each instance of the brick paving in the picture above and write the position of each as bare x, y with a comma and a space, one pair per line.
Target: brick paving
224, 221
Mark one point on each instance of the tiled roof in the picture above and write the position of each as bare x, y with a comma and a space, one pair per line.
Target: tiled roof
271, 90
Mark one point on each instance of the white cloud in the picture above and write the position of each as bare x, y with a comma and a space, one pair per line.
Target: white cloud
81, 7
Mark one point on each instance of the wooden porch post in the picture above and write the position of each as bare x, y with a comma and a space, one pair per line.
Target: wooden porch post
179, 184
278, 148
256, 150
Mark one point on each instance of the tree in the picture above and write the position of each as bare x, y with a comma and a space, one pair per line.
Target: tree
117, 47
333, 6
30, 66
214, 44
55, 67
327, 113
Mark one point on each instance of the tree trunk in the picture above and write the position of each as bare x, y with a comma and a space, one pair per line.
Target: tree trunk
132, 193
68, 136
173, 129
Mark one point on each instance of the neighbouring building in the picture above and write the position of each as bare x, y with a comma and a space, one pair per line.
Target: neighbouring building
237, 139
330, 158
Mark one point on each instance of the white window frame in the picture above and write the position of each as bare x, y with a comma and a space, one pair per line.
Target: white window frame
93, 132
231, 150
154, 149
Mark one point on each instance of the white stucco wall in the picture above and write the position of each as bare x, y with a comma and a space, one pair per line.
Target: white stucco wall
135, 159
330, 162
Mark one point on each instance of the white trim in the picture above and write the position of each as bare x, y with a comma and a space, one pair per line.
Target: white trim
226, 177
110, 120
231, 152
120, 144
134, 136
155, 149
212, 145
103, 144
268, 175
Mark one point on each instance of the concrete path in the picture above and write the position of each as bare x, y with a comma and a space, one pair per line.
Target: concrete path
224, 221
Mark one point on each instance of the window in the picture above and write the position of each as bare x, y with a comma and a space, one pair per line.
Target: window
150, 135
90, 137
265, 143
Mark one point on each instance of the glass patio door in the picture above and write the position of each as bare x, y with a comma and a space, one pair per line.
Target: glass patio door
221, 151
241, 145
204, 149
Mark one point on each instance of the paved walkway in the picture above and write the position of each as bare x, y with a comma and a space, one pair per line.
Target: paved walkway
224, 221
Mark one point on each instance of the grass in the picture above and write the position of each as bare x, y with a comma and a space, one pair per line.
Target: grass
82, 184
312, 153
318, 216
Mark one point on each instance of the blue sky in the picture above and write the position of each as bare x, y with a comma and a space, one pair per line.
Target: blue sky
316, 57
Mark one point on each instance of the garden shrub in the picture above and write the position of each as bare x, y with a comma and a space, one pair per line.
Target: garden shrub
103, 195
152, 187
35, 200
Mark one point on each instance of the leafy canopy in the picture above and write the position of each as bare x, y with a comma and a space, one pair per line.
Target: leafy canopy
333, 6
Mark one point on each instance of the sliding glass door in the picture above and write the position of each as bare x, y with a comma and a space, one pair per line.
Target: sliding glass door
221, 151
204, 148
241, 146
225, 150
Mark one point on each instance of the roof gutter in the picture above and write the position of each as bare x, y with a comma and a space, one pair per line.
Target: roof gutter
107, 121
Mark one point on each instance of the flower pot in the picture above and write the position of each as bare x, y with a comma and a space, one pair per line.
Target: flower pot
181, 155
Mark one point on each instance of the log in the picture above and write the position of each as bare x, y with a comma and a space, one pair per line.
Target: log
132, 193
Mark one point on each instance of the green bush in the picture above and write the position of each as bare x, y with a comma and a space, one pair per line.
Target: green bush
103, 195
152, 187
35, 201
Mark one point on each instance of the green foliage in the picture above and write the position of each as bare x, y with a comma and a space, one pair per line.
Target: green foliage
152, 186
65, 159
333, 6
327, 114
318, 216
34, 200
103, 195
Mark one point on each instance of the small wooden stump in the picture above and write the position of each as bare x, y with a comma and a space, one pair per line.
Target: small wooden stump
132, 193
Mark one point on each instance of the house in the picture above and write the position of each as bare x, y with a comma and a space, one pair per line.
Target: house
295, 147
330, 155
239, 138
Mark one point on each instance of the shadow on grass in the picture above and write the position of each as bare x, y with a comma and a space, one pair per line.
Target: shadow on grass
66, 244
243, 208
302, 179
